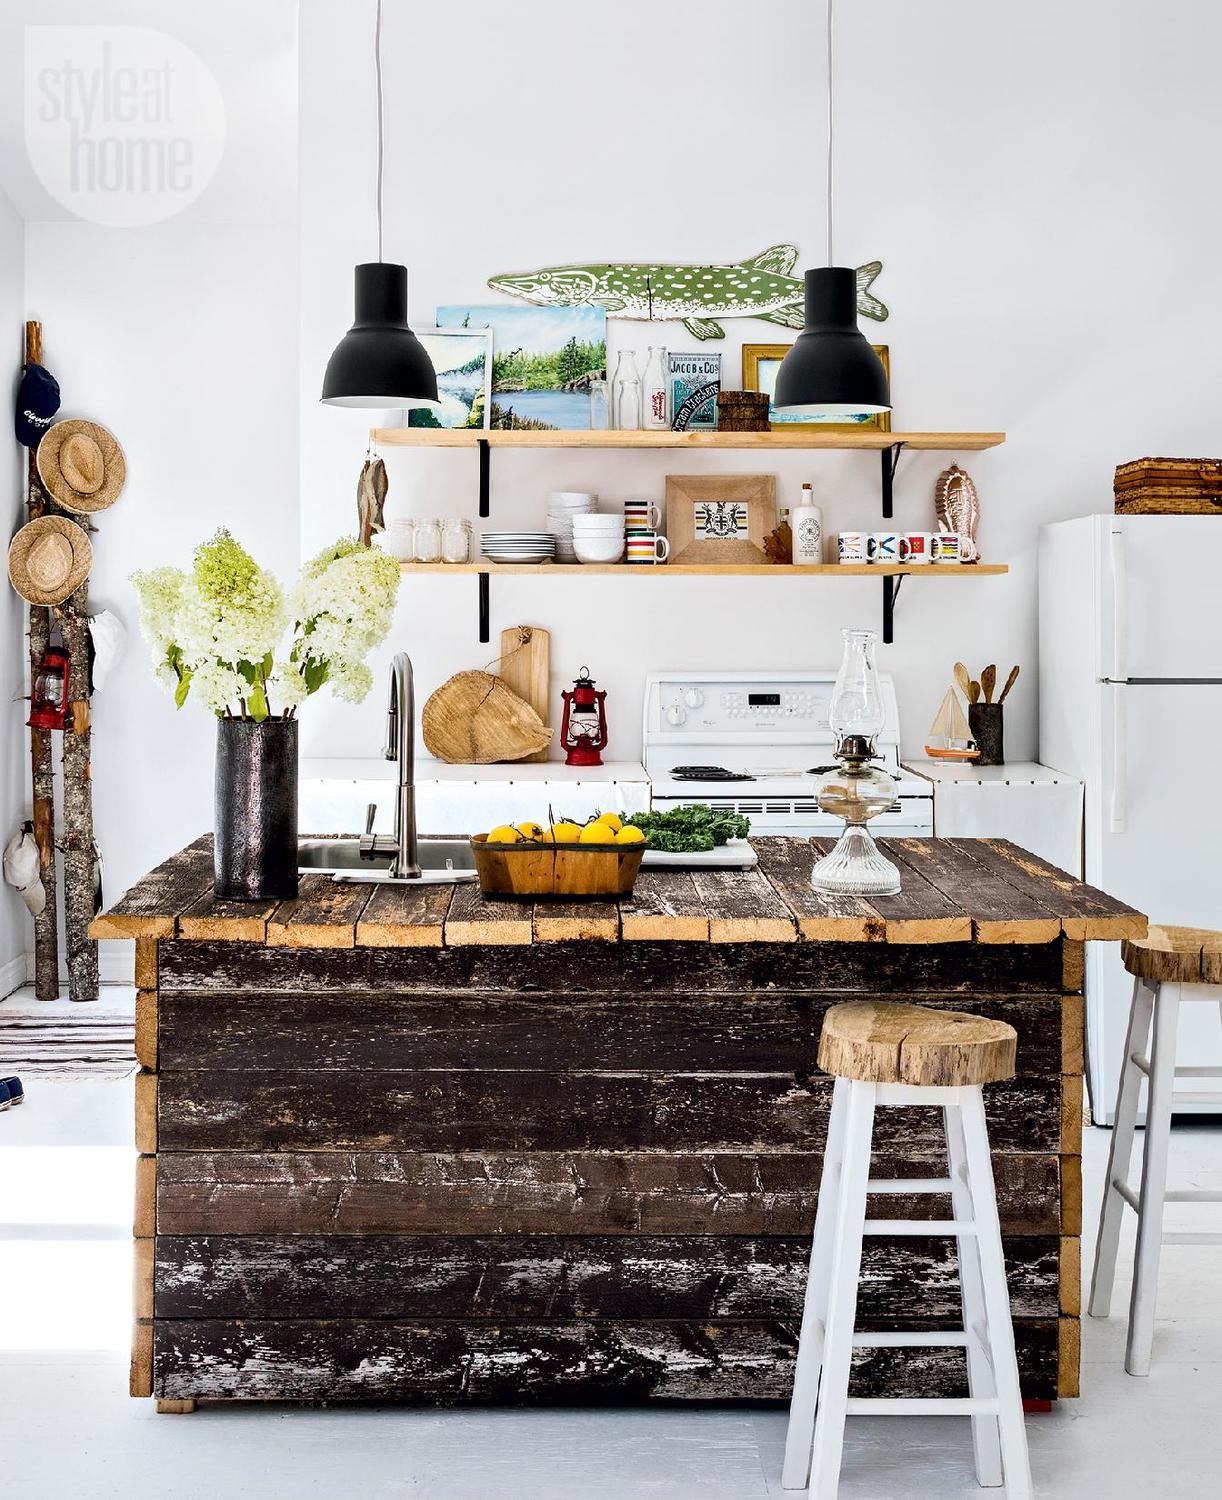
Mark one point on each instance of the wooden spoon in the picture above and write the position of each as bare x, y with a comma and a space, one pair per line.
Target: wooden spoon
988, 681
1010, 681
973, 692
963, 677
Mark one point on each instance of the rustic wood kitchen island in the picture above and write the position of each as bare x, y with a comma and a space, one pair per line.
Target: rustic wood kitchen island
412, 1144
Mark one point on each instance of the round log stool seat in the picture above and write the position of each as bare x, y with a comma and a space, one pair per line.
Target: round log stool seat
1170, 967
887, 1055
1175, 955
892, 1043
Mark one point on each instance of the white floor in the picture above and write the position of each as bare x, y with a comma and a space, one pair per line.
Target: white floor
67, 1426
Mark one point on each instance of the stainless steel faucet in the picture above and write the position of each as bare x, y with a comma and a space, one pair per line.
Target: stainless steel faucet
400, 746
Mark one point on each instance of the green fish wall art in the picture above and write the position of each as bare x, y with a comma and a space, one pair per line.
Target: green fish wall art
696, 295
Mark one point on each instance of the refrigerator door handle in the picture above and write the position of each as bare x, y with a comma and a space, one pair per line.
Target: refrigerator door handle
1120, 607
1120, 770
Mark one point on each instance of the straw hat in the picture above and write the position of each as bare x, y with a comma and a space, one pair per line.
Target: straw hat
48, 559
81, 465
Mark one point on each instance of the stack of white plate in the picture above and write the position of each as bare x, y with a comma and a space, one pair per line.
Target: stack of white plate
562, 506
518, 546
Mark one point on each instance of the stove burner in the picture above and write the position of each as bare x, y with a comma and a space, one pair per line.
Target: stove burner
708, 773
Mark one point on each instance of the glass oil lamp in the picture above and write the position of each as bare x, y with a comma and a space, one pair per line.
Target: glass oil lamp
583, 729
855, 789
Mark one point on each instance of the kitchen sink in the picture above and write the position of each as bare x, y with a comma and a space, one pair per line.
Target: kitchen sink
441, 861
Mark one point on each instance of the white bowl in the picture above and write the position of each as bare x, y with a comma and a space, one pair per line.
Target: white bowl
592, 525
571, 500
598, 550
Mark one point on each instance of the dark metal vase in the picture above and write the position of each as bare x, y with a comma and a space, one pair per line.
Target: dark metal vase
987, 723
256, 810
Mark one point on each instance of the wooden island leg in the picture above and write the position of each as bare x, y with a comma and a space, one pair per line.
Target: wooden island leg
174, 1408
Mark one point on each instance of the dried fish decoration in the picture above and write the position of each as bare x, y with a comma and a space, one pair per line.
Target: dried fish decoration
371, 490
957, 507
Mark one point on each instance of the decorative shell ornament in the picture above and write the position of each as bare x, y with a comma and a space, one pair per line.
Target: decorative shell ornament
957, 507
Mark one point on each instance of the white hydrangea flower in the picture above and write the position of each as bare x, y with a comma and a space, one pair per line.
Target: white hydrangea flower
286, 686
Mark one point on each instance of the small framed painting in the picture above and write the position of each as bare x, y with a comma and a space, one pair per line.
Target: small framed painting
762, 361
462, 358
714, 519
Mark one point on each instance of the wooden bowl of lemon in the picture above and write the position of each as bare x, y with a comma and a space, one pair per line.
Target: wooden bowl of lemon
567, 860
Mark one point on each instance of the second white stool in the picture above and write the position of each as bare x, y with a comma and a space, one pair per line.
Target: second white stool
886, 1056
1171, 965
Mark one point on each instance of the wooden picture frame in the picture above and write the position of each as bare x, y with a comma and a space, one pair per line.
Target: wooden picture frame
713, 519
760, 362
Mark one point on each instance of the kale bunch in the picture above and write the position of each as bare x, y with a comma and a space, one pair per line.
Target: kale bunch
690, 830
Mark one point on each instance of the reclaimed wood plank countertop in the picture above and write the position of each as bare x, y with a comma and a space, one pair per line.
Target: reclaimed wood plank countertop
413, 1144
955, 891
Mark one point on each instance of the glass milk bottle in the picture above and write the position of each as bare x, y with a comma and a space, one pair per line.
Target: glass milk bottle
806, 526
657, 406
626, 392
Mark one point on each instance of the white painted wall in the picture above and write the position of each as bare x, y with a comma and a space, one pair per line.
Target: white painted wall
14, 796
1035, 178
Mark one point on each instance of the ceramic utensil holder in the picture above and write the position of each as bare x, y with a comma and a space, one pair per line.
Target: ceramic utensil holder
987, 723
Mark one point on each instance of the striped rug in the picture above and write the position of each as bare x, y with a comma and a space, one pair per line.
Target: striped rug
83, 1041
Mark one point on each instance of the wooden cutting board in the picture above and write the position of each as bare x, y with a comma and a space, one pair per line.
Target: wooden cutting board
526, 652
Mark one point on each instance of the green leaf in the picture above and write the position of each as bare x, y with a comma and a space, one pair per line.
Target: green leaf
183, 688
248, 672
315, 674
256, 703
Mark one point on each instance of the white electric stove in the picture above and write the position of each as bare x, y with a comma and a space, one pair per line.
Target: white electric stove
749, 741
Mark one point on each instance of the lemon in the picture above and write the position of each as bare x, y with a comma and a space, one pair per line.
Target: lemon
531, 831
597, 833
565, 832
505, 834
613, 821
630, 835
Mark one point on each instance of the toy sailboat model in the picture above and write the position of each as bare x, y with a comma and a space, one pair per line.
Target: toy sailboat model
950, 738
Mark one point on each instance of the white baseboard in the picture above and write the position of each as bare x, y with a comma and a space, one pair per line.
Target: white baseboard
116, 965
13, 974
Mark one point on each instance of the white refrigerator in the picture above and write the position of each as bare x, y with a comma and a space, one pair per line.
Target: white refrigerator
1130, 651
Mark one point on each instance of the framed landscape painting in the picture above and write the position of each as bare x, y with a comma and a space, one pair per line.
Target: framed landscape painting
543, 359
762, 361
462, 359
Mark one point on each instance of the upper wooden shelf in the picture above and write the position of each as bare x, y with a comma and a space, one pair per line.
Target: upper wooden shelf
715, 570
866, 438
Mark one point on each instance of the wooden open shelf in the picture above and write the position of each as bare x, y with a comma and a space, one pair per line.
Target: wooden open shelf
742, 570
867, 438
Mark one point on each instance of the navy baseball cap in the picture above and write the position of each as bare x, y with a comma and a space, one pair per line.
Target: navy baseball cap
37, 403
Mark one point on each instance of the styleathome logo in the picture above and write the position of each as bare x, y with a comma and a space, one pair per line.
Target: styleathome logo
124, 125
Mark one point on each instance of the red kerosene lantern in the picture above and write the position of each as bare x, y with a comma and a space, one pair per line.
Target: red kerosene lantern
49, 699
583, 730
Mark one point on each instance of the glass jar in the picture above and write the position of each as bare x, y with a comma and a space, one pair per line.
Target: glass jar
456, 541
428, 541
626, 392
399, 539
600, 403
856, 790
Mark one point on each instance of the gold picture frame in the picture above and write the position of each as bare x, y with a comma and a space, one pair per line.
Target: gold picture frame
714, 519
759, 373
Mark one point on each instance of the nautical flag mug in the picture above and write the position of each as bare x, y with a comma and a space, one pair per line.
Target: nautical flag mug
883, 547
851, 546
947, 547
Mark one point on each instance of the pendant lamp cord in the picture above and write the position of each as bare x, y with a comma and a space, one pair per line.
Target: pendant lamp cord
830, 8
377, 73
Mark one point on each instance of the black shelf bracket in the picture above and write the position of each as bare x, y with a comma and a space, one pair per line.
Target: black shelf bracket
890, 458
485, 478
891, 592
484, 611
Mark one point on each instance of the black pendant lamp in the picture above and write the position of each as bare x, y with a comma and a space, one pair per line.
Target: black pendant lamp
380, 362
831, 372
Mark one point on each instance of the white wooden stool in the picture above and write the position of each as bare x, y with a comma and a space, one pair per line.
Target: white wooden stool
885, 1055
1170, 965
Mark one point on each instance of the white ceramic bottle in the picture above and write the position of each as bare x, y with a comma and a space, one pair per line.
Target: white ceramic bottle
806, 525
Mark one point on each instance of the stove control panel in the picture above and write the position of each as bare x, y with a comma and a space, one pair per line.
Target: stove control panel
686, 708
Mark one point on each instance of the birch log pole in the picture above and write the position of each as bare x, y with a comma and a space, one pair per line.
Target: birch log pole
80, 862
46, 924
